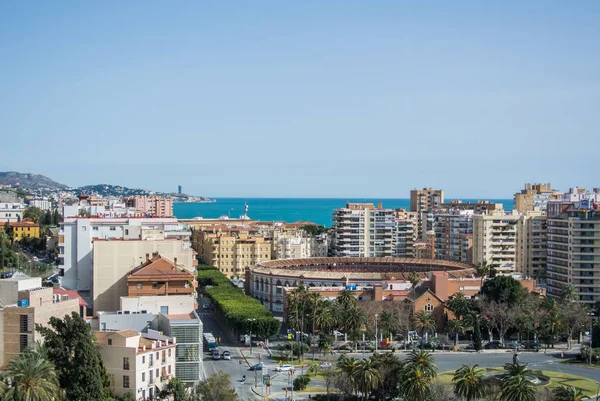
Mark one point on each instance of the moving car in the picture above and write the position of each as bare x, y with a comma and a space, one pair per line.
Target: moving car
285, 368
258, 366
216, 355
226, 355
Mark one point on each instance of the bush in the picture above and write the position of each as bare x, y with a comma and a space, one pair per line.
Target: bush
584, 354
236, 307
301, 382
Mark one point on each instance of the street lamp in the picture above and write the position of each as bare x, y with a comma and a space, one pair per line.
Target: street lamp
251, 320
591, 315
376, 316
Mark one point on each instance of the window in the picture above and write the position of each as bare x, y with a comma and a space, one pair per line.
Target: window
428, 308
110, 341
154, 284
169, 352
126, 231
95, 228
143, 376
24, 323
113, 228
125, 363
164, 310
139, 286
23, 342
169, 368
143, 358
83, 228
157, 356
125, 381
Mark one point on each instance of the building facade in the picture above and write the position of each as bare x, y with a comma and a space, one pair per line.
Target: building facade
152, 205
453, 235
574, 245
138, 364
423, 201
406, 233
362, 230
535, 197
495, 240
11, 212
23, 229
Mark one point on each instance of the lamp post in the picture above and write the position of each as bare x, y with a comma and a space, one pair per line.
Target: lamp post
591, 315
251, 320
376, 318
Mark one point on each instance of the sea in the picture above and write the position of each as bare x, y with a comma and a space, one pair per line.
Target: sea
289, 210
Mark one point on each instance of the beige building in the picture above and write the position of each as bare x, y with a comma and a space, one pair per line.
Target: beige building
363, 230
535, 197
406, 233
114, 259
423, 201
140, 365
453, 233
23, 304
153, 205
479, 207
532, 242
230, 251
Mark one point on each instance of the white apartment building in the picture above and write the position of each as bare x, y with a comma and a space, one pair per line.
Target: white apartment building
532, 241
41, 203
361, 230
495, 240
574, 245
406, 233
301, 246
77, 236
11, 212
138, 364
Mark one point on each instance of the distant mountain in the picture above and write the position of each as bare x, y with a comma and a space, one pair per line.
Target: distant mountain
29, 181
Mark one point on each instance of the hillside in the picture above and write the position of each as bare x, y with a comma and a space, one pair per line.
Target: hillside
29, 181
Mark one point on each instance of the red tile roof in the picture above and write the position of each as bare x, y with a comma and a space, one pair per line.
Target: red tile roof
71, 294
161, 268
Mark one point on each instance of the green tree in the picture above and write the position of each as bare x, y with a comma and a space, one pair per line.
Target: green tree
469, 382
569, 293
349, 367
313, 229
177, 388
503, 289
514, 385
414, 279
459, 304
34, 213
32, 377
418, 373
368, 376
354, 318
477, 339
71, 347
391, 368
215, 388
567, 393
454, 328
424, 322
346, 299
388, 324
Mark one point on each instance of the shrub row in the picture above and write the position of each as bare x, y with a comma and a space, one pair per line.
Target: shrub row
237, 308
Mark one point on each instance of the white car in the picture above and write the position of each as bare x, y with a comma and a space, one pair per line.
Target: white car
325, 365
226, 355
285, 368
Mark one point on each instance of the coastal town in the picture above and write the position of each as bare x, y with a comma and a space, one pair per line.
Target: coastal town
278, 309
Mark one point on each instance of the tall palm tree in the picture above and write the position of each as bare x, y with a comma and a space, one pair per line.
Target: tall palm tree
414, 279
346, 299
424, 322
388, 323
469, 382
418, 372
569, 293
32, 377
454, 328
349, 366
325, 318
567, 393
314, 299
459, 304
353, 320
368, 376
514, 385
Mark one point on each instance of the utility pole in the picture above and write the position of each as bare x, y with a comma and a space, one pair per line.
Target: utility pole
251, 320
376, 316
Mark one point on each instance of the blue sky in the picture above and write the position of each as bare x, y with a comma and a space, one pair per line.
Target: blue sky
309, 98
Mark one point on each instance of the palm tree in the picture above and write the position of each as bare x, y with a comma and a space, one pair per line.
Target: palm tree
388, 323
567, 393
569, 293
459, 304
325, 318
414, 279
469, 382
418, 372
349, 366
515, 386
314, 299
368, 376
32, 377
354, 319
455, 327
346, 299
424, 322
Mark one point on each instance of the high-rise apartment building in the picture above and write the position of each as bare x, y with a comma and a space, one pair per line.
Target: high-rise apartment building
406, 233
151, 205
495, 240
532, 240
363, 230
574, 245
535, 197
423, 201
453, 235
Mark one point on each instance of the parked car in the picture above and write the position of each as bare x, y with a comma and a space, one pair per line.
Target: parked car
284, 368
493, 345
513, 344
6, 275
207, 306
325, 365
216, 355
531, 345
258, 366
226, 355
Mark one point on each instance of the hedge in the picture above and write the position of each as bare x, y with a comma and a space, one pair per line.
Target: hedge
236, 307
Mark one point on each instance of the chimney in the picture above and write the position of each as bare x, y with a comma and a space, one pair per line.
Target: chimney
175, 261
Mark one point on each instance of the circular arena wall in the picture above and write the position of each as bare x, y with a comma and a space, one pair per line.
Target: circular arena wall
268, 281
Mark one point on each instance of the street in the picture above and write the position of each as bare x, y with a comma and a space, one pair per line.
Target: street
280, 381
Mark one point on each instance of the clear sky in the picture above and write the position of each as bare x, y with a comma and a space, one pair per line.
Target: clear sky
303, 98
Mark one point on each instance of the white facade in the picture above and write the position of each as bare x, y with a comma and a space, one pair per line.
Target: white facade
10, 287
11, 212
41, 203
495, 240
76, 238
140, 366
296, 247
172, 304
361, 230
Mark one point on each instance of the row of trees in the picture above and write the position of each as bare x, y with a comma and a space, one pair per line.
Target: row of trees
385, 377
242, 313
